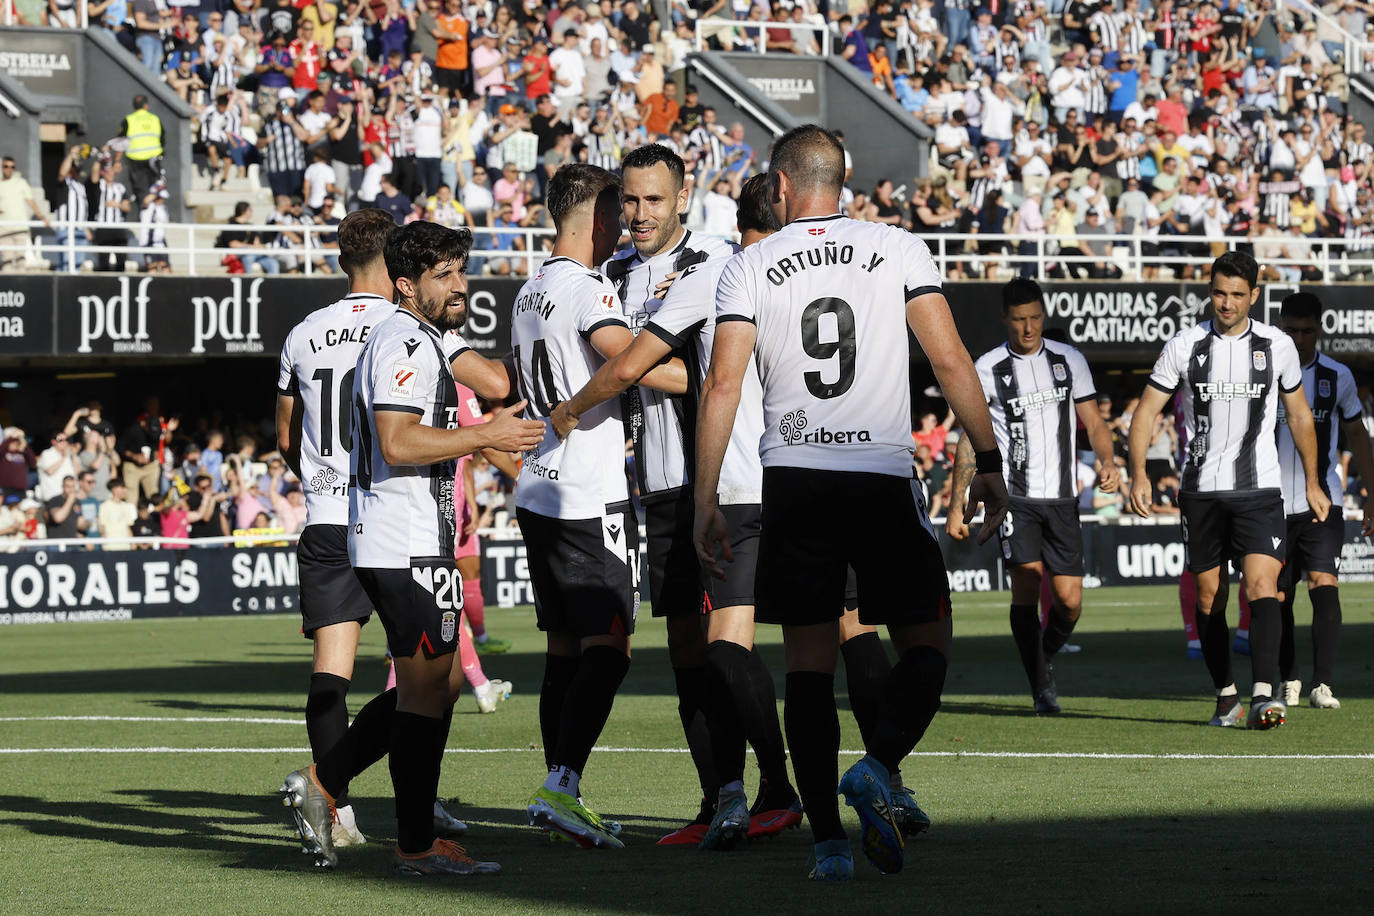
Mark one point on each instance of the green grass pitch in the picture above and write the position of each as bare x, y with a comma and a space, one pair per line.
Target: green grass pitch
1180, 818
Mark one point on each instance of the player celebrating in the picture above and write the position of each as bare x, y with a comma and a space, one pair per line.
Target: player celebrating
1030, 384
685, 322
1314, 547
1233, 371
823, 308
401, 543
662, 428
572, 501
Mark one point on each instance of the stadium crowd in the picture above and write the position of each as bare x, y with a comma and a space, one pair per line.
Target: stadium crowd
1176, 121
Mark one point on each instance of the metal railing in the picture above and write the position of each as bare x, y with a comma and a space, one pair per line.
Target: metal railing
1355, 48
715, 27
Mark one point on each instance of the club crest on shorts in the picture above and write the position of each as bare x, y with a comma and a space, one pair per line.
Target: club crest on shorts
1324, 387
1259, 360
448, 625
1060, 373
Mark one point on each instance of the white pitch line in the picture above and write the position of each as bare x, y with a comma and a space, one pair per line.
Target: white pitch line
201, 719
1013, 755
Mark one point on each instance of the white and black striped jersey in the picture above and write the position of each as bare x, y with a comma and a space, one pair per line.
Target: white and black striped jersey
73, 207
1033, 401
828, 297
661, 426
1230, 387
1107, 25
109, 195
400, 513
552, 321
217, 126
709, 146
1332, 395
285, 152
317, 367
1128, 167
1095, 90
687, 322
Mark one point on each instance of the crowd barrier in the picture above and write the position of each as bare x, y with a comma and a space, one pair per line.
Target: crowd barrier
66, 582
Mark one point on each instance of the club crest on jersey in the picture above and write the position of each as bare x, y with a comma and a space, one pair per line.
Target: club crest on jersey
448, 626
1060, 373
403, 380
1258, 359
1324, 387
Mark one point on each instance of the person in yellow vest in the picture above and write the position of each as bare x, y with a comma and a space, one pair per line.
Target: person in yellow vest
143, 157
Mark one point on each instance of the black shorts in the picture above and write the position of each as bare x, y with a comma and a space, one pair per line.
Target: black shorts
1228, 526
817, 523
585, 572
1043, 529
1312, 546
737, 588
674, 573
330, 591
459, 80
420, 606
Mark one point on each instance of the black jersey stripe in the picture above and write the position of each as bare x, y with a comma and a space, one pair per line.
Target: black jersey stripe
1324, 417
1199, 373
1008, 389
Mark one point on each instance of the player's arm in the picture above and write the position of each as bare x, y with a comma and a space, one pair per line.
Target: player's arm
629, 359
1100, 437
1304, 432
405, 441
470, 497
1362, 457
290, 418
720, 393
955, 526
930, 320
502, 461
1152, 401
490, 378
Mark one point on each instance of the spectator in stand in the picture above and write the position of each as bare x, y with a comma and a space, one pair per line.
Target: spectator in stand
318, 181
450, 30
444, 209
151, 22
282, 147
88, 504
17, 461
245, 245
64, 518
141, 449
660, 111
56, 462
17, 204
393, 201
116, 516
205, 510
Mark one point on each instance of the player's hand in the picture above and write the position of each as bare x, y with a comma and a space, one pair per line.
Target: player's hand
1108, 477
563, 421
955, 526
1140, 496
1318, 501
665, 284
507, 432
708, 530
990, 490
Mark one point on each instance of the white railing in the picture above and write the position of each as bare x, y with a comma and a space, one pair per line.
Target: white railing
714, 28
1355, 48
191, 246
192, 250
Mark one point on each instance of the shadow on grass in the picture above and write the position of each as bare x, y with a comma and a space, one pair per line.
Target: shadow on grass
1053, 864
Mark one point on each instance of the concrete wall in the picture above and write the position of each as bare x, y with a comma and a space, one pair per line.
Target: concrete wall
19, 119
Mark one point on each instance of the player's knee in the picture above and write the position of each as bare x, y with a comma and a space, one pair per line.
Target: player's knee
1321, 580
328, 692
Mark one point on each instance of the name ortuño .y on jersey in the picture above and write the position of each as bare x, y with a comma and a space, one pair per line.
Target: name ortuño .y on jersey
828, 296
1332, 395
553, 319
661, 426
318, 360
687, 322
400, 513
1229, 387
1032, 401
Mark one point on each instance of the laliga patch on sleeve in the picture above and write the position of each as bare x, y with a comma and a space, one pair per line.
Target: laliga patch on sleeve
403, 380
610, 303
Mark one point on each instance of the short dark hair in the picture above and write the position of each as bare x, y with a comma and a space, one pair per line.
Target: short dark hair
755, 212
1301, 305
420, 246
1237, 264
1021, 291
812, 158
650, 155
362, 237
575, 184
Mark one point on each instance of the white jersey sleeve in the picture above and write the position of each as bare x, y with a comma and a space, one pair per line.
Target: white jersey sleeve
455, 345
1170, 366
1083, 387
1347, 395
922, 276
1287, 367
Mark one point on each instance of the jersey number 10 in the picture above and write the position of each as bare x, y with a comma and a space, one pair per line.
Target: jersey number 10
330, 406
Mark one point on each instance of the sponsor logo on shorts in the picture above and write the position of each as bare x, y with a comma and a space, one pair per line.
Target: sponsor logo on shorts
793, 426
448, 626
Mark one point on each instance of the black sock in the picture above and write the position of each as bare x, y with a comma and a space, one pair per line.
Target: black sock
1265, 632
1059, 628
866, 668
911, 700
1216, 645
1288, 653
587, 706
1025, 629
417, 753
726, 685
366, 741
813, 734
1326, 632
761, 725
559, 670
326, 714
691, 711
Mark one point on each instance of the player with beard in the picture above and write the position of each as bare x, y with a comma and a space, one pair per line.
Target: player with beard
663, 431
738, 707
401, 533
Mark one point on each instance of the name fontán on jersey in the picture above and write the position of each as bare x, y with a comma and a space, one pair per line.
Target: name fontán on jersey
1037, 400
828, 255
794, 423
535, 302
